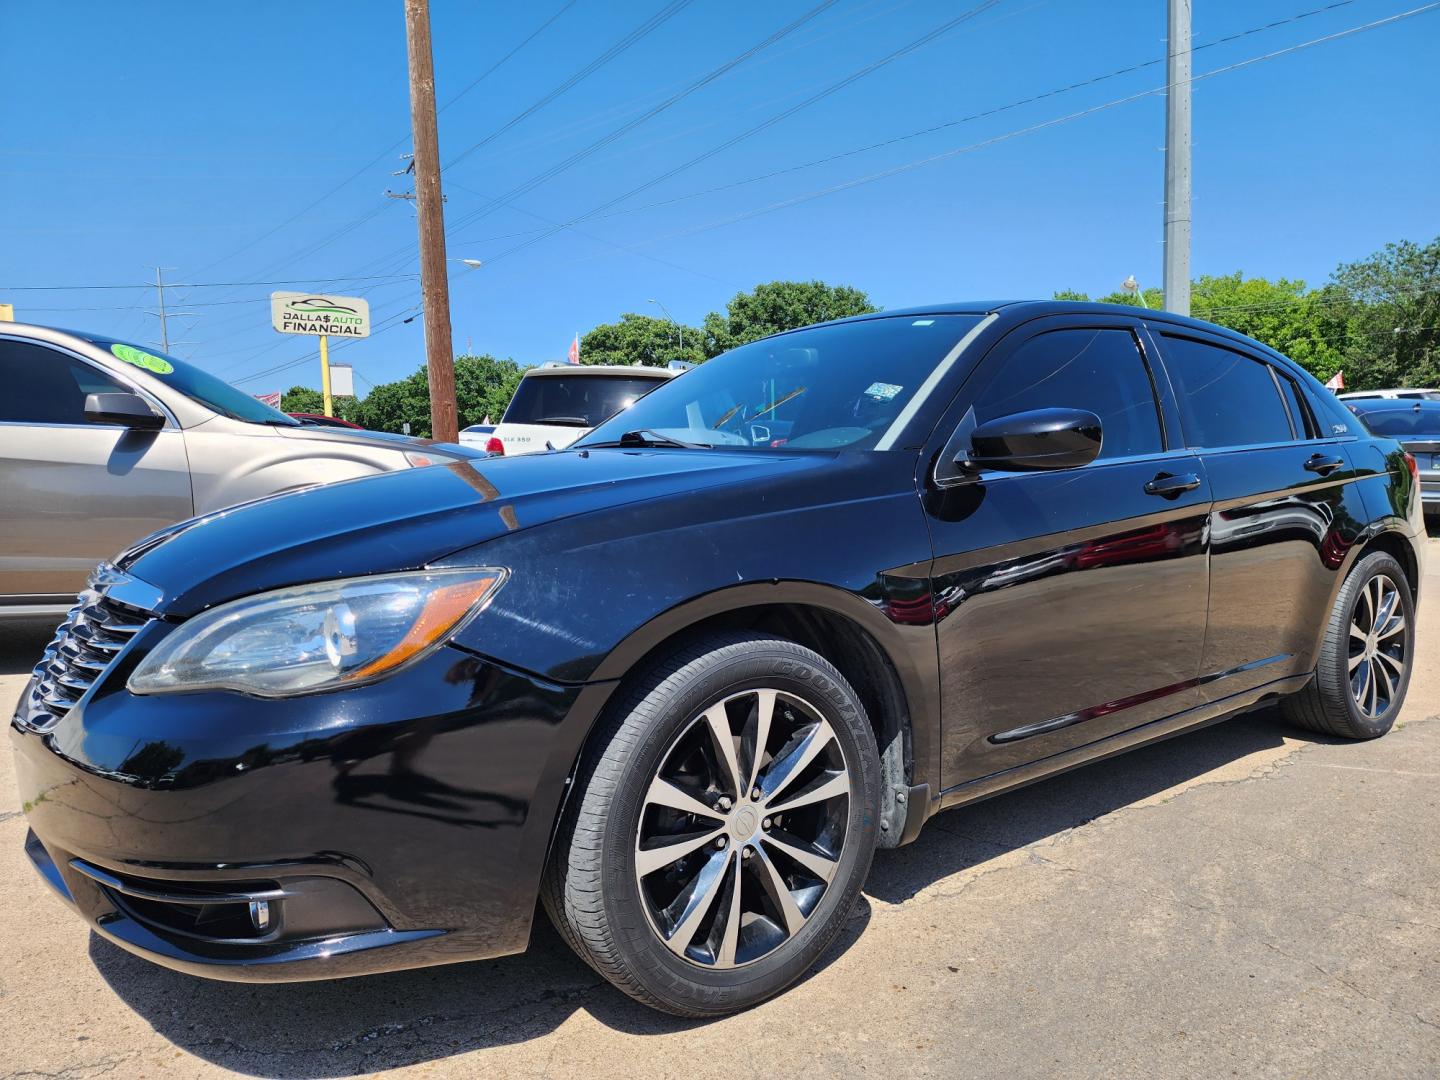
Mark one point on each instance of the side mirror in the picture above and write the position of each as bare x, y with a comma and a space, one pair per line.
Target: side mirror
1035, 440
129, 410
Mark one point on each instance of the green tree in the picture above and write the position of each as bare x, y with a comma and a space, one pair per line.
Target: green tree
1281, 313
1390, 306
484, 385
641, 339
780, 305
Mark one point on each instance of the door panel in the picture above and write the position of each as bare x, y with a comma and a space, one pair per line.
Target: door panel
1070, 606
1279, 534
71, 496
72, 492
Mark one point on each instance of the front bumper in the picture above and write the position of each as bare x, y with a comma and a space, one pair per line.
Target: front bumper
395, 825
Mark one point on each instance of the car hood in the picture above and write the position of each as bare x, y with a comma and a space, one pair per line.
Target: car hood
413, 518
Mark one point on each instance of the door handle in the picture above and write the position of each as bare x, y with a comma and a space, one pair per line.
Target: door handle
1168, 486
1323, 465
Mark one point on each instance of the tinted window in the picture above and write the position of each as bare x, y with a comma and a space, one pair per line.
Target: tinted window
43, 386
1226, 399
214, 393
1411, 422
821, 388
575, 400
1099, 370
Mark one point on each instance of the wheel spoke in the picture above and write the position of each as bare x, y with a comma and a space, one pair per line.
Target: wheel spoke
1360, 684
1391, 626
822, 866
1395, 664
730, 940
754, 742
694, 903
1388, 598
779, 892
1369, 606
795, 757
1382, 675
1355, 660
827, 786
718, 721
1358, 634
648, 860
663, 793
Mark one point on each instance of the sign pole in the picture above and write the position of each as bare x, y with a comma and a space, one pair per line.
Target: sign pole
325, 373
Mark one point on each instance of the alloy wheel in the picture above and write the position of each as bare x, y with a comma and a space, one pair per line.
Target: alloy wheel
1379, 646
743, 827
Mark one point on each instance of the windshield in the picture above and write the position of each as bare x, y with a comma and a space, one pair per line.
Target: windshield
575, 400
1410, 422
214, 393
818, 389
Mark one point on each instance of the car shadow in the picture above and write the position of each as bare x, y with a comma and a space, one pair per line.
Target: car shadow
22, 641
363, 1025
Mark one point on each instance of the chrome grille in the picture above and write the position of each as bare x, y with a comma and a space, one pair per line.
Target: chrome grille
94, 632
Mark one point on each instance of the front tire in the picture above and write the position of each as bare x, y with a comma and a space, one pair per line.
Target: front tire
1364, 666
721, 827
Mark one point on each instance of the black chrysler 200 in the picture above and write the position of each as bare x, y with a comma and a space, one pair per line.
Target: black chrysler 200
679, 681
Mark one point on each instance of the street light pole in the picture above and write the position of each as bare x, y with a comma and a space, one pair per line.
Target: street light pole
430, 207
1177, 160
679, 333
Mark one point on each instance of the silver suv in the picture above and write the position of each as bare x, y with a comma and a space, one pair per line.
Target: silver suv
103, 441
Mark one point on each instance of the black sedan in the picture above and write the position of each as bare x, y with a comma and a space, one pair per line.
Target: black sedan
1416, 426
679, 681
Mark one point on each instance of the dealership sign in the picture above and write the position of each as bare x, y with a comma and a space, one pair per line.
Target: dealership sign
310, 313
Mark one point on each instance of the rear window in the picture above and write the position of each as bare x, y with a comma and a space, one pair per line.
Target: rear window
1411, 422
575, 400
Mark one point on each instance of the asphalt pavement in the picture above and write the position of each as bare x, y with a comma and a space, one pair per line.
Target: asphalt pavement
1247, 900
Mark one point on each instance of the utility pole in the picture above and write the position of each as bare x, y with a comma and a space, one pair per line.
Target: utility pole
163, 315
1177, 160
429, 203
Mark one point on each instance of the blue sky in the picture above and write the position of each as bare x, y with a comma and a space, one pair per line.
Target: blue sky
184, 134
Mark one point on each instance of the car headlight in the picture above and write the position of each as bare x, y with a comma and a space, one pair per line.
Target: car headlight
316, 637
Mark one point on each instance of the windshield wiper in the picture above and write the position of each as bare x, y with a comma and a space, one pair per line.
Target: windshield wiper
569, 421
648, 437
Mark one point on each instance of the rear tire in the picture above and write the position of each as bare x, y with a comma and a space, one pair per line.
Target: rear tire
1364, 666
773, 844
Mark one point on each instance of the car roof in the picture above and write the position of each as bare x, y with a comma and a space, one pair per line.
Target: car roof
600, 369
1392, 405
1023, 309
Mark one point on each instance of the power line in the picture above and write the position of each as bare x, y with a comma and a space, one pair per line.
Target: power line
669, 11
387, 151
833, 88
984, 114
207, 284
630, 125
946, 154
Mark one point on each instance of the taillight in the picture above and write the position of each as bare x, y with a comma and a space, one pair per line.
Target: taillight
495, 446
1414, 467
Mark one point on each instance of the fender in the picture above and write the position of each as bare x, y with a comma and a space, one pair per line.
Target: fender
913, 660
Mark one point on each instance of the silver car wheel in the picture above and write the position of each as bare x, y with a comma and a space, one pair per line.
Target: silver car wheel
1379, 646
743, 827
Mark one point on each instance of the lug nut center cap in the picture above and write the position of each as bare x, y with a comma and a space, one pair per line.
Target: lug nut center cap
745, 822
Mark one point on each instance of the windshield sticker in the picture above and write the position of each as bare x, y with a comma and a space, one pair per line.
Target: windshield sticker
142, 359
883, 391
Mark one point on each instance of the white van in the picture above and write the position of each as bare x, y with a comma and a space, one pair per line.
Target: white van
554, 405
